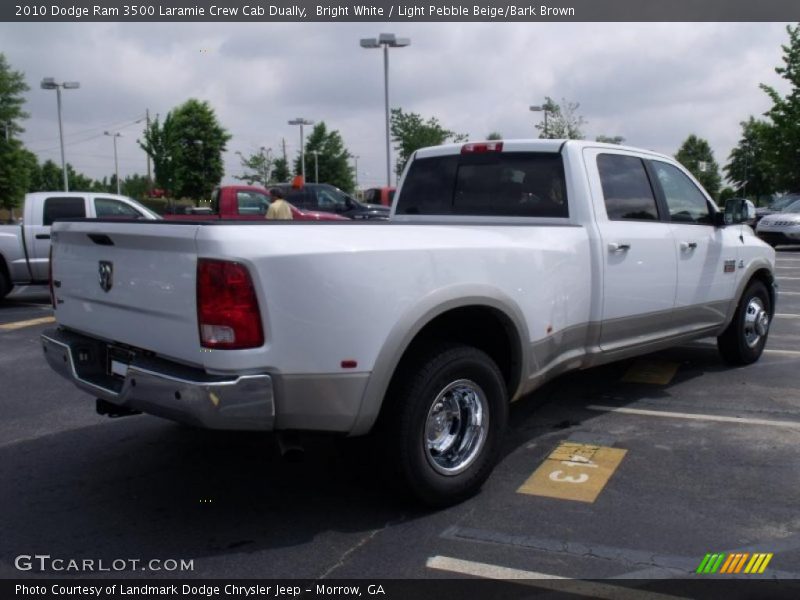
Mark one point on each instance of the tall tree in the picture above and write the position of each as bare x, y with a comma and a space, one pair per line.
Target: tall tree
332, 158
410, 132
280, 170
563, 120
156, 144
14, 172
750, 166
785, 116
187, 150
495, 135
696, 155
258, 167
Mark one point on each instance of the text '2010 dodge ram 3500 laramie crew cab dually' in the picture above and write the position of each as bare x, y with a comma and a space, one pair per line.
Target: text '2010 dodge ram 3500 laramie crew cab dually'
503, 265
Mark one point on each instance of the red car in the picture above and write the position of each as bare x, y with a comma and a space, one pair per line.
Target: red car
245, 203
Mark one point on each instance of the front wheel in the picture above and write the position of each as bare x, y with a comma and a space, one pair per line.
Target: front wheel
744, 339
444, 423
5, 285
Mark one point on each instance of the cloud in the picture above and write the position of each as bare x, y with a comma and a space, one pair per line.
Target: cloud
653, 83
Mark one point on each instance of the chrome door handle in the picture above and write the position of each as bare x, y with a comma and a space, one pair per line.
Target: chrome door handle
688, 245
616, 247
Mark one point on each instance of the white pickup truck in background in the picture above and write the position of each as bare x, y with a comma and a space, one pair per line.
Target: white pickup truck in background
25, 247
503, 265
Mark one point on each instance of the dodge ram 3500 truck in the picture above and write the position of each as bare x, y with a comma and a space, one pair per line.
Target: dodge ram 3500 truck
25, 248
503, 265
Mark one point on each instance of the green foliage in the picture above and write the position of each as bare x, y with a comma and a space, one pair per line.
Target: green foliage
280, 170
751, 166
784, 135
410, 133
259, 168
333, 157
563, 121
15, 166
495, 135
696, 155
726, 194
187, 150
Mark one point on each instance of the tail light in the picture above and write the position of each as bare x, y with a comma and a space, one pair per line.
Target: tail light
227, 309
50, 278
480, 147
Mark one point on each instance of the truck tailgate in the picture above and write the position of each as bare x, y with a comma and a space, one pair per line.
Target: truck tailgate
130, 283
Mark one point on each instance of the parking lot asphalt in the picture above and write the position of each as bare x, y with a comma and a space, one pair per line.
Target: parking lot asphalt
708, 462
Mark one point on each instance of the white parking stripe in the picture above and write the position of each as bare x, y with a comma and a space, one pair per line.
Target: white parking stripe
541, 580
782, 278
782, 293
787, 316
693, 416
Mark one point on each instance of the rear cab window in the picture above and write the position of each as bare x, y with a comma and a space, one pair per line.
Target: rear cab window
68, 207
518, 184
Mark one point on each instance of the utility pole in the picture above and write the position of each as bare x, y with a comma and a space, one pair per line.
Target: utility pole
147, 118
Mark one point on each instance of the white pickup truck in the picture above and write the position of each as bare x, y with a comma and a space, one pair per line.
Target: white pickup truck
25, 247
503, 265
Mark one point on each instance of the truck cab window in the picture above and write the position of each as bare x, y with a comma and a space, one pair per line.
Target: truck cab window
627, 191
685, 202
63, 208
108, 207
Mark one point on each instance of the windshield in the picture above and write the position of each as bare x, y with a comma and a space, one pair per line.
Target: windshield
784, 201
794, 207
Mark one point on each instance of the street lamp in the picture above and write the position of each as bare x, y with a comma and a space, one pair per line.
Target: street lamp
356, 157
316, 165
266, 163
301, 121
387, 40
49, 83
114, 136
542, 108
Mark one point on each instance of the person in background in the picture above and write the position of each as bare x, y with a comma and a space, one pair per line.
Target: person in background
279, 208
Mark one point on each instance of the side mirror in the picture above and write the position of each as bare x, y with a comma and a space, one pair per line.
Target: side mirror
739, 210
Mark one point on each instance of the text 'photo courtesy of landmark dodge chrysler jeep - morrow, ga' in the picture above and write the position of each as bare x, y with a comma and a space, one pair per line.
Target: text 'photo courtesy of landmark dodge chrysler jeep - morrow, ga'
503, 264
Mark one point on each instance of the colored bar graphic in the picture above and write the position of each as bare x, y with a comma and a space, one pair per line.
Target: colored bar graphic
731, 564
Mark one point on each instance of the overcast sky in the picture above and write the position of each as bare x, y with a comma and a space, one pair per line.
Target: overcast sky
652, 83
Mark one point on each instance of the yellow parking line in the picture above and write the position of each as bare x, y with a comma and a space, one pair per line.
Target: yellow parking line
28, 323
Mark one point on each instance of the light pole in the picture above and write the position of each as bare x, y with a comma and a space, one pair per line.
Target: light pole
542, 108
49, 83
356, 157
114, 136
316, 165
266, 162
301, 121
387, 40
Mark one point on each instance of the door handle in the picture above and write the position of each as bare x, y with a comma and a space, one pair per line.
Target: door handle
617, 247
42, 236
688, 245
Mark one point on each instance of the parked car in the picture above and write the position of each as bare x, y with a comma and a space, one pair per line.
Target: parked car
776, 206
25, 247
324, 197
504, 265
244, 203
381, 195
782, 227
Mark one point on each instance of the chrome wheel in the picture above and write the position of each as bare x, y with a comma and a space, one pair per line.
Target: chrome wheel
456, 427
756, 322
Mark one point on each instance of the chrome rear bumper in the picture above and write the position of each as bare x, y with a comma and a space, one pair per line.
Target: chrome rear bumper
163, 388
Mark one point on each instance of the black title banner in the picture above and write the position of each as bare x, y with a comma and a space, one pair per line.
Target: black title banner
392, 10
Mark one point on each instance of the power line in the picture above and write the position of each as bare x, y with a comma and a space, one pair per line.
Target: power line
117, 125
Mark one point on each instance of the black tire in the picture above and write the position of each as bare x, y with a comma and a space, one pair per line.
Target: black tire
444, 380
744, 339
5, 284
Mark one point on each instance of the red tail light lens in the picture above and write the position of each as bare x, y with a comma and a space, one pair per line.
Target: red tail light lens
227, 309
480, 147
